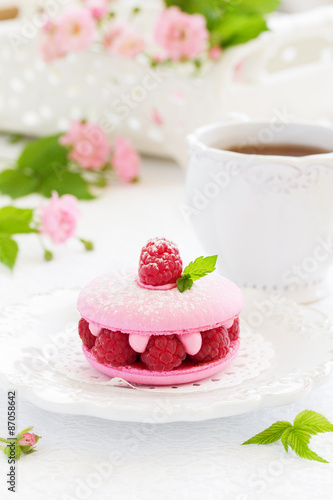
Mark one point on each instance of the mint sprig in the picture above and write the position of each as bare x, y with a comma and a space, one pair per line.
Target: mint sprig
297, 436
197, 269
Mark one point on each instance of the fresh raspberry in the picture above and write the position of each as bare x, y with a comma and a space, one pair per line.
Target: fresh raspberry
215, 345
87, 337
112, 348
234, 330
163, 353
160, 263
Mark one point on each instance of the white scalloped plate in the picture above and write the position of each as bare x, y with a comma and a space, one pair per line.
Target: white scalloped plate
283, 357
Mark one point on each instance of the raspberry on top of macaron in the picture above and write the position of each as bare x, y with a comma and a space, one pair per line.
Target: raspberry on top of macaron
160, 263
163, 325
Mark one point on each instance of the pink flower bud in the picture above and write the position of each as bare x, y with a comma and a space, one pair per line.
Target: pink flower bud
28, 439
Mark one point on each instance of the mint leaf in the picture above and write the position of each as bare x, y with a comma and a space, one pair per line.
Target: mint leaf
184, 283
313, 421
16, 220
42, 153
65, 182
8, 251
196, 270
200, 267
16, 183
270, 435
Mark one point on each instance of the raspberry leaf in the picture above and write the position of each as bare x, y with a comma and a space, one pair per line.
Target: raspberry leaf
270, 435
196, 270
313, 421
285, 438
299, 440
297, 436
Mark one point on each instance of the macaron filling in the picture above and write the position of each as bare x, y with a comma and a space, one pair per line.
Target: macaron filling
191, 343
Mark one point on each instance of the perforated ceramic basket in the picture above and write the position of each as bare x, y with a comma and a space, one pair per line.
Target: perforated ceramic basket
283, 74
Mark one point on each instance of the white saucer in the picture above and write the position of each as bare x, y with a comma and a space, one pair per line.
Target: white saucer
286, 351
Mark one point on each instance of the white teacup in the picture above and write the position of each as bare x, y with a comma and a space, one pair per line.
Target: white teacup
269, 218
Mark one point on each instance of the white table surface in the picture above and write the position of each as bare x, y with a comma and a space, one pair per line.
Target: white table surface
89, 458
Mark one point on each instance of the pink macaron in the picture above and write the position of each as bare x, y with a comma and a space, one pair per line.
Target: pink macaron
154, 334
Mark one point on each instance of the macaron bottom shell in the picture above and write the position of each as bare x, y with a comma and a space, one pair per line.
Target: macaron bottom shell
187, 373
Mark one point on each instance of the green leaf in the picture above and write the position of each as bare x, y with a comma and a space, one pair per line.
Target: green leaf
65, 182
270, 435
42, 153
200, 267
18, 452
16, 220
48, 255
235, 28
260, 7
37, 438
285, 438
299, 440
16, 183
28, 429
313, 421
230, 22
26, 449
184, 283
311, 455
8, 251
16, 138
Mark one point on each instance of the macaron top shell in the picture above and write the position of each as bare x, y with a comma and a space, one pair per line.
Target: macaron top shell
117, 302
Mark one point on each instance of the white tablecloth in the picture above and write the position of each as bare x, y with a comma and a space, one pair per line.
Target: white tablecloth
89, 458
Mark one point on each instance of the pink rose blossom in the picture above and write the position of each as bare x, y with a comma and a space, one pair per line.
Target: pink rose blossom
90, 145
123, 40
98, 8
76, 30
126, 160
28, 439
181, 35
50, 45
59, 218
215, 52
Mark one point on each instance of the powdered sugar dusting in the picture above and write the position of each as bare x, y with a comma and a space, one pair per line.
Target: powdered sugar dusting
117, 302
